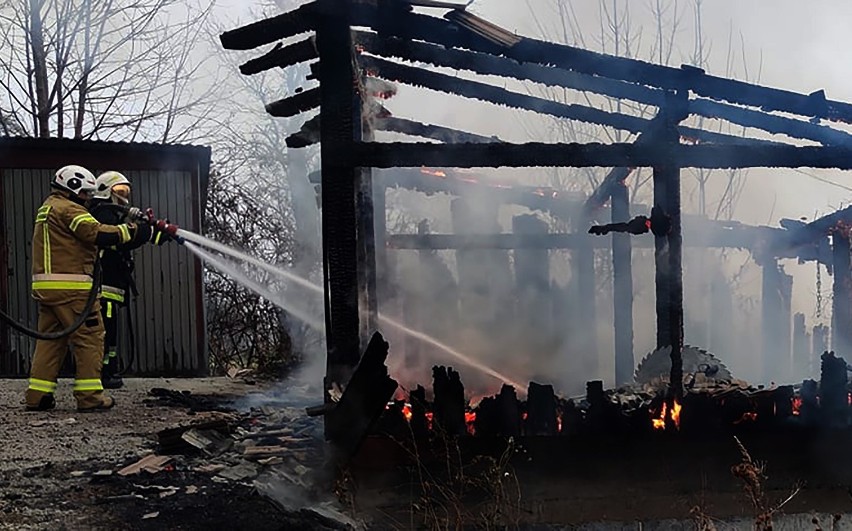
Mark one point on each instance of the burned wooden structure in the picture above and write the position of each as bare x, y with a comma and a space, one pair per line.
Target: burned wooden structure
352, 66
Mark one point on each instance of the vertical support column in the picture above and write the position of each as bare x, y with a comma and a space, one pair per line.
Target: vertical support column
661, 261
675, 241
533, 322
776, 307
801, 348
622, 270
341, 194
841, 327
669, 247
583, 273
367, 252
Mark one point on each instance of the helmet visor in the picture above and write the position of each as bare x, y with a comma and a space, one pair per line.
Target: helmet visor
122, 191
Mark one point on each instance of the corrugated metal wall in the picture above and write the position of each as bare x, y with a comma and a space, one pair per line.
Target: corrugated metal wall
167, 316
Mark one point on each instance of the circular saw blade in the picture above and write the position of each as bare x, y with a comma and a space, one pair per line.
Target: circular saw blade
657, 365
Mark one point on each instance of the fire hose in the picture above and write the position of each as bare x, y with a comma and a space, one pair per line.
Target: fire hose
146, 216
78, 322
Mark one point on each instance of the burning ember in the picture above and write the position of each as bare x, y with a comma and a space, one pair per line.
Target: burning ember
673, 413
797, 405
748, 416
470, 420
436, 173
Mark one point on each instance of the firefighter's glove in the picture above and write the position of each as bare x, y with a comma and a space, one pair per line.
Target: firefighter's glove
141, 234
599, 230
159, 237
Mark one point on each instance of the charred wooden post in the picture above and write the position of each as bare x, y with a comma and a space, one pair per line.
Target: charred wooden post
449, 400
833, 396
419, 424
841, 333
801, 346
598, 406
485, 280
622, 271
541, 410
819, 344
783, 402
584, 284
776, 294
509, 411
533, 321
341, 185
363, 402
669, 243
809, 410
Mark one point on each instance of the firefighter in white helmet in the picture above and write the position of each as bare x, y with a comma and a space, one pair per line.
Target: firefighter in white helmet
64, 249
109, 207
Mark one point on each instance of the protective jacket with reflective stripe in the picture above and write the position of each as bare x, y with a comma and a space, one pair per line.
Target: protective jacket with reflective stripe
117, 260
65, 245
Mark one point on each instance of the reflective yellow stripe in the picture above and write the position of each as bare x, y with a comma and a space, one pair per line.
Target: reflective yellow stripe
125, 233
113, 297
82, 218
109, 304
157, 238
88, 385
59, 284
44, 386
46, 249
42, 213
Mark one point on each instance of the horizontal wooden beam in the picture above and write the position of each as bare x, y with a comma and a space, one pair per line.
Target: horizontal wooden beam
282, 57
296, 104
498, 95
416, 26
435, 132
535, 154
300, 20
549, 241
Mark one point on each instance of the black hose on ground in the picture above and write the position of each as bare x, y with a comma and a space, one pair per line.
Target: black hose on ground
78, 322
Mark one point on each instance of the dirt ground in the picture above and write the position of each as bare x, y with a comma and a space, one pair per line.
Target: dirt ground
54, 465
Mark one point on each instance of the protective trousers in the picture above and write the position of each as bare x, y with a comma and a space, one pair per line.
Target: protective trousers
109, 314
88, 341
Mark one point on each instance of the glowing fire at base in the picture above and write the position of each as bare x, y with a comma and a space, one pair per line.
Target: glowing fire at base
673, 414
797, 405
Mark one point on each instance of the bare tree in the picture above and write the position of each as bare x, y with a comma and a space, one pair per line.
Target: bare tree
105, 69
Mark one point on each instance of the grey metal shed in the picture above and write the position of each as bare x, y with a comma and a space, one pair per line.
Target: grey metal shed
168, 316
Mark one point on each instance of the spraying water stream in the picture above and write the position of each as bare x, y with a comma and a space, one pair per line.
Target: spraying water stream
193, 241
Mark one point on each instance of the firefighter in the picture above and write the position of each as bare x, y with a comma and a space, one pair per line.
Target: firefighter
64, 249
108, 206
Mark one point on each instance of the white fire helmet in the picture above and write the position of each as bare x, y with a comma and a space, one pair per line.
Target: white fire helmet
76, 179
113, 184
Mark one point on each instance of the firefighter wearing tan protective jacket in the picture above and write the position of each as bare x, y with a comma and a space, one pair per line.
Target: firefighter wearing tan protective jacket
65, 246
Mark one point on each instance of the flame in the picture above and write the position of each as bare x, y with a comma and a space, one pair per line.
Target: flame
406, 411
429, 417
676, 413
797, 405
524, 415
748, 416
469, 420
659, 422
436, 173
558, 421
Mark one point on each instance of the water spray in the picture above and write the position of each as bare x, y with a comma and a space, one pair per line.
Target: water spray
234, 272
193, 241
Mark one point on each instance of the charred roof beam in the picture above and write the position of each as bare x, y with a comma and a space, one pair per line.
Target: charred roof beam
486, 64
482, 91
435, 132
449, 34
300, 20
537, 154
296, 104
282, 57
